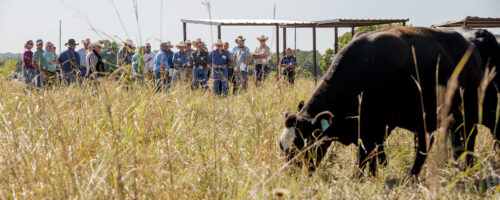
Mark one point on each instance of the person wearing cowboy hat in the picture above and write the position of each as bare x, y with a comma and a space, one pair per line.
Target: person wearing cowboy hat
237, 40
124, 56
220, 61
180, 61
96, 64
189, 67
161, 68
261, 57
241, 58
200, 65
83, 57
70, 62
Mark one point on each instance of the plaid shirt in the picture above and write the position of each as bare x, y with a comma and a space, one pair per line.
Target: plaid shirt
289, 61
200, 59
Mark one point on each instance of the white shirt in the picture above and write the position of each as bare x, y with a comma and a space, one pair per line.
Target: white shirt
150, 66
83, 57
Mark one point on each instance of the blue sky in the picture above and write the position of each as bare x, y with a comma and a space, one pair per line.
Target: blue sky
21, 20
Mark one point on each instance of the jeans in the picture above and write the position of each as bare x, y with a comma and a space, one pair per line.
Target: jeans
200, 78
69, 77
261, 73
32, 77
220, 81
290, 75
161, 82
240, 79
177, 76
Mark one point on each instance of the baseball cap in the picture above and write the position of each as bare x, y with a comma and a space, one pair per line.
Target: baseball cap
48, 43
39, 41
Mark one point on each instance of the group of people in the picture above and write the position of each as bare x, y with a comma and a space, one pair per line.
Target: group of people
192, 64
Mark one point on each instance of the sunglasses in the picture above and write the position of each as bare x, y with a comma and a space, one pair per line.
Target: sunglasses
30, 43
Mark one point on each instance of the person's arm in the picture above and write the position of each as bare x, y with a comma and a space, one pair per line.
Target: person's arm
293, 63
92, 65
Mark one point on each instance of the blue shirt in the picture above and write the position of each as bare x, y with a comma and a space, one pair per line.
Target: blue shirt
180, 59
170, 56
50, 57
289, 61
161, 58
70, 60
137, 63
219, 59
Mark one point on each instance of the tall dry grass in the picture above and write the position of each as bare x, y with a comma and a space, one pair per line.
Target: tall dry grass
115, 143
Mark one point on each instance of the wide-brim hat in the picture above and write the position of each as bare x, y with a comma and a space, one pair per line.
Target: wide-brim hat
71, 42
128, 42
95, 44
219, 42
181, 44
169, 44
239, 38
197, 42
262, 37
188, 42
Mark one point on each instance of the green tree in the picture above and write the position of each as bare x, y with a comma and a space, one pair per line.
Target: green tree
326, 60
108, 54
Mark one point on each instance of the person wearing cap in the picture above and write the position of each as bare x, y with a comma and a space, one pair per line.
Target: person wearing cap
261, 57
219, 59
241, 58
180, 61
149, 65
84, 66
138, 65
30, 71
289, 63
235, 48
40, 61
96, 65
124, 56
189, 67
70, 62
161, 67
200, 65
51, 56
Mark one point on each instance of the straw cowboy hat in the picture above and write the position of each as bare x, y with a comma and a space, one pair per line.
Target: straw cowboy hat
128, 42
181, 44
219, 42
239, 38
197, 42
262, 37
188, 42
86, 41
95, 44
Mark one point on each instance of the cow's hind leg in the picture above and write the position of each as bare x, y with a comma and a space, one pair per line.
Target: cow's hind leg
421, 151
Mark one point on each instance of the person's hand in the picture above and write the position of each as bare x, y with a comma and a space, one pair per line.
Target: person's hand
224, 67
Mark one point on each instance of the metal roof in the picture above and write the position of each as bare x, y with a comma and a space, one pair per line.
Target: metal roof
287, 23
243, 22
474, 22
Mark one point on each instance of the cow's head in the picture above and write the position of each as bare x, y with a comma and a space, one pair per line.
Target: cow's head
300, 133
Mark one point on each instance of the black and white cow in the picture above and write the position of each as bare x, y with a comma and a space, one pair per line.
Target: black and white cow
372, 82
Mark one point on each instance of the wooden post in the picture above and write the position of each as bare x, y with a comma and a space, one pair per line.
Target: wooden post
336, 38
352, 32
184, 31
404, 23
284, 48
314, 55
218, 32
277, 50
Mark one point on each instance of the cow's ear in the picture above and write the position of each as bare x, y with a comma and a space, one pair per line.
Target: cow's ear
291, 120
324, 120
301, 105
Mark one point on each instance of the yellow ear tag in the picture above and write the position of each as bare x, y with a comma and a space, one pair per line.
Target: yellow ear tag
324, 125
